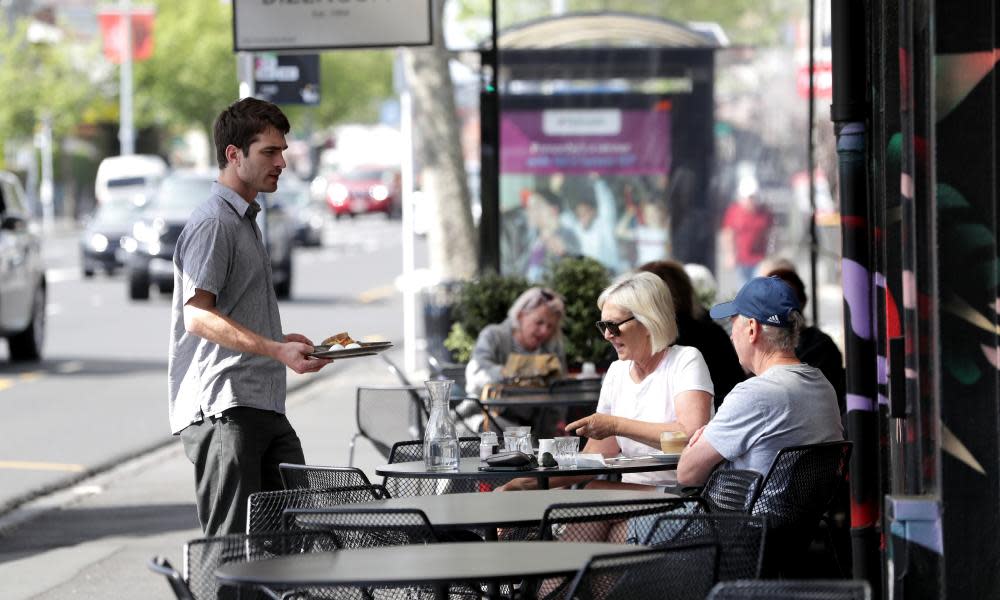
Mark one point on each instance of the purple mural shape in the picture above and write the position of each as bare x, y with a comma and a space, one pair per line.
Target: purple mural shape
857, 293
580, 141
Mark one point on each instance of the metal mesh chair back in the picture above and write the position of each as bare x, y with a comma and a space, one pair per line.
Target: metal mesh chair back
789, 589
575, 386
365, 528
386, 414
739, 539
677, 573
801, 484
312, 477
264, 509
162, 566
468, 447
731, 490
590, 521
203, 556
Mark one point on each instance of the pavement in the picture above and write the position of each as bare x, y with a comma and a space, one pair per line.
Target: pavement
93, 539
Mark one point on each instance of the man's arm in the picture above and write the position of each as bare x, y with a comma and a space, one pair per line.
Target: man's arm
203, 319
697, 461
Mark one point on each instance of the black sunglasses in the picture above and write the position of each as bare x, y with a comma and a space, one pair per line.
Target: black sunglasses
611, 326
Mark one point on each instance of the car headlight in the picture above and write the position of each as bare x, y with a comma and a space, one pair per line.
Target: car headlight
99, 242
338, 194
148, 233
378, 192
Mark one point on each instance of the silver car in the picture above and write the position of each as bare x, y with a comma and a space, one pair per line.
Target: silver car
22, 274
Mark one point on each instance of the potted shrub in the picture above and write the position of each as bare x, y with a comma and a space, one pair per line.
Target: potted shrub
580, 280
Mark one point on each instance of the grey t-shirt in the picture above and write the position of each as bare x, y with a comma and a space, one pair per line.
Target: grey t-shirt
787, 405
220, 251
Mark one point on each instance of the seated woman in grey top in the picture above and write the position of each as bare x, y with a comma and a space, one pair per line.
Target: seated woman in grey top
533, 326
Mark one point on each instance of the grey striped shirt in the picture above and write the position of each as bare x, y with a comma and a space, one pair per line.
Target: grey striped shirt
220, 251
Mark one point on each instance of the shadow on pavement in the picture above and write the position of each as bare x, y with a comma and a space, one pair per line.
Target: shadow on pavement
71, 526
85, 366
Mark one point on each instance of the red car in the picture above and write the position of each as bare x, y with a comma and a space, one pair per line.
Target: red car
364, 190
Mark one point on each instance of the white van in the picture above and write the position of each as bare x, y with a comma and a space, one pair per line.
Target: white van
132, 178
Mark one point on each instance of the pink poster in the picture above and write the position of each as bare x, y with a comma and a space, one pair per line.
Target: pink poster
609, 141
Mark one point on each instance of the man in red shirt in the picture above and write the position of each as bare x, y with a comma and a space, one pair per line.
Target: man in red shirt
746, 230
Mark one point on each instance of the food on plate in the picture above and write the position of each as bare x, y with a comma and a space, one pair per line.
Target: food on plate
351, 346
340, 338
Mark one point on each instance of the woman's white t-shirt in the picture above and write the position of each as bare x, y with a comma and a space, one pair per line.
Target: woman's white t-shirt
682, 369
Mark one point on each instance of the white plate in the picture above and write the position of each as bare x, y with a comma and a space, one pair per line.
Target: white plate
664, 457
366, 349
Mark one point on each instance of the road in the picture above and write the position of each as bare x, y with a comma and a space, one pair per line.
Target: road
99, 395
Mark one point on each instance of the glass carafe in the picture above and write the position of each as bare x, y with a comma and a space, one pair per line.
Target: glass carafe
440, 438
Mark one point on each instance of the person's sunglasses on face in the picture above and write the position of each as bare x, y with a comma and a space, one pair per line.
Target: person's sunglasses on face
612, 327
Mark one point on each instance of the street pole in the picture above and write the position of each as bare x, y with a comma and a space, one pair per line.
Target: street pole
126, 132
406, 183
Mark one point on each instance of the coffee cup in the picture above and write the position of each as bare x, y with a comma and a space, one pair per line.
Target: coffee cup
673, 442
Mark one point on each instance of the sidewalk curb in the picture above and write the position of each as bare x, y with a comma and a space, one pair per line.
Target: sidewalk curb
24, 508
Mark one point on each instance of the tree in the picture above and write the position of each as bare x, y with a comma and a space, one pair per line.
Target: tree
39, 80
454, 252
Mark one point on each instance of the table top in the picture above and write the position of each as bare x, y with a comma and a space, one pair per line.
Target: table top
468, 468
498, 509
557, 396
419, 564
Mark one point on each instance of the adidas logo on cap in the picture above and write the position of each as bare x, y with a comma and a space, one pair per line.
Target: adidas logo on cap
774, 319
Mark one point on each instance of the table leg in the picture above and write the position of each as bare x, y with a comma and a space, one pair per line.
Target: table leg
441, 591
543, 482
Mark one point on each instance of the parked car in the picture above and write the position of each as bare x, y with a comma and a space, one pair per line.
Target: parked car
100, 241
149, 250
22, 274
308, 216
369, 189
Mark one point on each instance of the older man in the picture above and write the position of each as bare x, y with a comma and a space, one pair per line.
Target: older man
788, 403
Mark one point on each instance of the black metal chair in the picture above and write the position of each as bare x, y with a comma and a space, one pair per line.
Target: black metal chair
313, 477
162, 566
739, 539
678, 573
364, 528
798, 489
790, 589
731, 490
386, 414
204, 555
626, 521
264, 509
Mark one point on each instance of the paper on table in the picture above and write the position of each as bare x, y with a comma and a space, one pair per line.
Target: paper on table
590, 460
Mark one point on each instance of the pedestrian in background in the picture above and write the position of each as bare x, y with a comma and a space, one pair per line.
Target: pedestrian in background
226, 370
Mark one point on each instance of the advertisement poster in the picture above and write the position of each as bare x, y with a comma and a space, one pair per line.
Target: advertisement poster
584, 181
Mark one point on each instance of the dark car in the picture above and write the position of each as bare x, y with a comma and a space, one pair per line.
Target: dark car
149, 250
364, 190
100, 242
308, 216
22, 274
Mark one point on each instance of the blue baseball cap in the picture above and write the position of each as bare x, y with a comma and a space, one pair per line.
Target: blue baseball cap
769, 300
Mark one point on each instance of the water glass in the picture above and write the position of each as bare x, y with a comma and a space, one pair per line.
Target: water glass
567, 448
487, 444
511, 440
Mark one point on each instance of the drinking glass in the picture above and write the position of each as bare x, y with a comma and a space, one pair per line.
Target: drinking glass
567, 448
487, 444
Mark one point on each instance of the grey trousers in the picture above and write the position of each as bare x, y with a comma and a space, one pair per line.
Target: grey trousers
236, 454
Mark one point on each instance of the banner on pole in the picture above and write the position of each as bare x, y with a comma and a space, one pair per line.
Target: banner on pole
113, 31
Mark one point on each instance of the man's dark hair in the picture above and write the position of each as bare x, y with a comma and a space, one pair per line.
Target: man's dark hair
241, 122
673, 274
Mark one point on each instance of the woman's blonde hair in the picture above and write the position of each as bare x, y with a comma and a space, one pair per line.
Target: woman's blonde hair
531, 299
648, 299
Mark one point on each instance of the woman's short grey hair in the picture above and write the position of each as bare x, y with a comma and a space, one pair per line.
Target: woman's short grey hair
648, 299
531, 299
784, 339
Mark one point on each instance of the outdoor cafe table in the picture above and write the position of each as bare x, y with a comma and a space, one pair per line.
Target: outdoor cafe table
490, 511
468, 468
436, 565
543, 397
